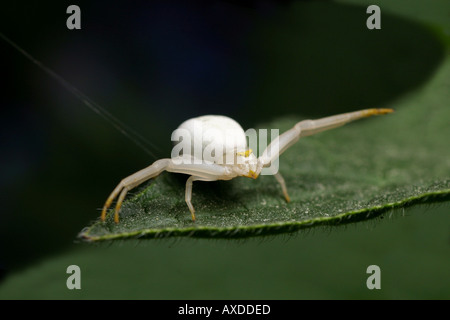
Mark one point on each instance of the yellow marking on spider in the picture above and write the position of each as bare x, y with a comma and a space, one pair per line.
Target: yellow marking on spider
374, 112
245, 153
252, 174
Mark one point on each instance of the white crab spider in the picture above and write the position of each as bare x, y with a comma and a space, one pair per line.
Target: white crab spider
248, 166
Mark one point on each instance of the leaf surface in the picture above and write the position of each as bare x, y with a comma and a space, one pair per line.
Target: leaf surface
344, 175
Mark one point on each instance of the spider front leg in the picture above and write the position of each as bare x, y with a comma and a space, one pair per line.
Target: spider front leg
307, 128
280, 180
282, 184
188, 193
122, 189
133, 181
203, 171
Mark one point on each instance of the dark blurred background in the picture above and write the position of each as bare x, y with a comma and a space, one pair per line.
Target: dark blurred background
154, 64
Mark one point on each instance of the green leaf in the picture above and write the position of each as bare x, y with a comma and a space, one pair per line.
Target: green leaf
349, 174
411, 251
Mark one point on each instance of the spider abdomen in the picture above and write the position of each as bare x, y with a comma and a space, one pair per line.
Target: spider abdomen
212, 138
